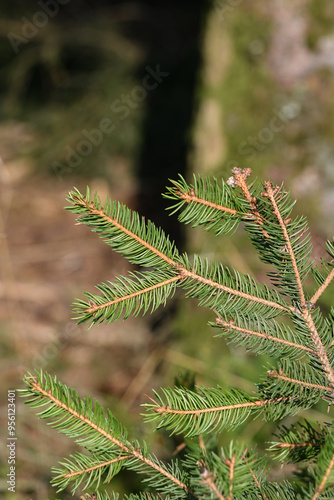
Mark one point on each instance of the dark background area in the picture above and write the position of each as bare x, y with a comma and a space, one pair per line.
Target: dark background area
232, 67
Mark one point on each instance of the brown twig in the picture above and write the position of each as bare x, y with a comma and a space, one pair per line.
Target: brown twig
201, 201
292, 446
239, 179
258, 484
208, 480
322, 287
321, 486
231, 465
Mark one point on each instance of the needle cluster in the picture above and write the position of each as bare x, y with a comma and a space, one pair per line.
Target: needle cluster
282, 320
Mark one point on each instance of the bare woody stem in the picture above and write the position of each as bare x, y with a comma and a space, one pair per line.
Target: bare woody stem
240, 177
207, 479
124, 448
232, 326
231, 465
323, 287
292, 446
322, 485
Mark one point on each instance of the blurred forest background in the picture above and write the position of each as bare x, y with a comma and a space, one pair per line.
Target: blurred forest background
124, 95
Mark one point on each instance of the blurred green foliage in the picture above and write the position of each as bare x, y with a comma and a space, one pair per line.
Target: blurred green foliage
65, 79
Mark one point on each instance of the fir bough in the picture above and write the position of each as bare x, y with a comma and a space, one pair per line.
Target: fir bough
282, 320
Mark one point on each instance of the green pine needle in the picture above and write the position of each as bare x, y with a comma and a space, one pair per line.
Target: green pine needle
282, 320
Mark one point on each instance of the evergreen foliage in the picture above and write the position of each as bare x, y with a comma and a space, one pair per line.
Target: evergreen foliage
283, 321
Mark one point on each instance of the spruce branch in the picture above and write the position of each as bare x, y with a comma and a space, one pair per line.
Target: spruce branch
124, 231
239, 179
230, 327
203, 410
94, 430
226, 472
271, 193
206, 204
147, 495
280, 375
191, 197
257, 482
215, 277
325, 478
273, 250
299, 443
279, 320
92, 467
302, 387
127, 295
208, 480
321, 280
321, 351
95, 467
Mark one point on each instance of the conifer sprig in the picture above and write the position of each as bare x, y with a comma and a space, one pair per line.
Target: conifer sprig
141, 243
297, 248
215, 285
99, 433
204, 410
205, 203
263, 341
272, 194
299, 443
281, 320
127, 295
